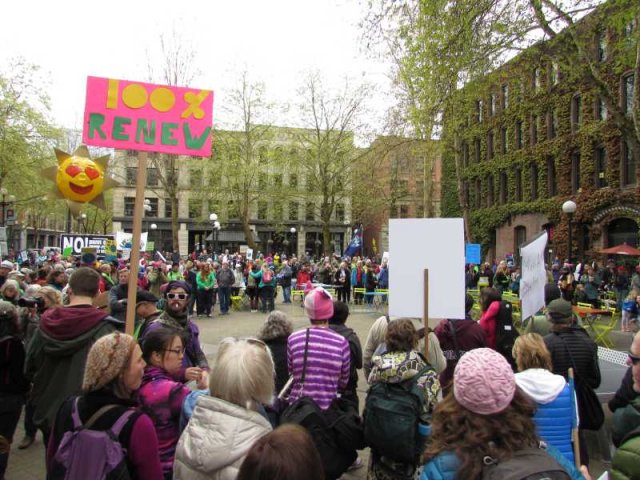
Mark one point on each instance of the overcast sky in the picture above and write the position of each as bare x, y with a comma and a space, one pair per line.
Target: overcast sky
275, 41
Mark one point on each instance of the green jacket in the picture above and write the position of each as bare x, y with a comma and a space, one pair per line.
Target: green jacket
537, 324
626, 431
207, 282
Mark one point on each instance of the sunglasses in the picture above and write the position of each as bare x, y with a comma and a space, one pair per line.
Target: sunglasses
634, 359
179, 296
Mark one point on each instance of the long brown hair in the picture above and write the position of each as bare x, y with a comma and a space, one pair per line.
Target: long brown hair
472, 436
205, 270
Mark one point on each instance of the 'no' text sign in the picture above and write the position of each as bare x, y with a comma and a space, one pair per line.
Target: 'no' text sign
153, 118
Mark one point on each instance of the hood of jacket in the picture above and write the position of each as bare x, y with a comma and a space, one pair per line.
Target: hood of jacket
67, 323
541, 385
218, 436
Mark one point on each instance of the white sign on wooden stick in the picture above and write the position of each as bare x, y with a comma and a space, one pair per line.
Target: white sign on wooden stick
433, 243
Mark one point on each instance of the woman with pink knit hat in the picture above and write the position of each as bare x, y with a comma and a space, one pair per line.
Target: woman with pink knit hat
486, 420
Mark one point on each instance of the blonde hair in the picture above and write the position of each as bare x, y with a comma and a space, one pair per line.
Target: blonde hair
243, 373
530, 351
52, 294
633, 294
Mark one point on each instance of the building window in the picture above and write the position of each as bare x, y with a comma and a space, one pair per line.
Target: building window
479, 107
262, 182
490, 145
465, 194
339, 212
393, 211
233, 209
519, 134
167, 207
601, 109
293, 211
575, 172
478, 192
404, 211
152, 177
293, 181
601, 40
278, 211
129, 206
534, 181
576, 112
552, 124
517, 178
628, 167
195, 207
153, 203
536, 78
490, 191
552, 188
505, 97
504, 192
554, 73
465, 154
277, 180
477, 152
630, 27
601, 166
504, 139
492, 104
627, 93
534, 129
310, 212
262, 210
132, 174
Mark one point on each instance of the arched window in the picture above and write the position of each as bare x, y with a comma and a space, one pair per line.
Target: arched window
622, 230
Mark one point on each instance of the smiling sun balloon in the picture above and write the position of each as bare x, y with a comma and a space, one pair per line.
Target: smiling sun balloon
79, 178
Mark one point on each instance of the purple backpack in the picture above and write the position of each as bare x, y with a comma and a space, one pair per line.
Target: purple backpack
84, 453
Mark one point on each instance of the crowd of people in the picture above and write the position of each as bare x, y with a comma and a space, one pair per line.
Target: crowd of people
439, 404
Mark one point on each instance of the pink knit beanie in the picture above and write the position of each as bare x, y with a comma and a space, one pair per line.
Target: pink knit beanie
483, 381
318, 304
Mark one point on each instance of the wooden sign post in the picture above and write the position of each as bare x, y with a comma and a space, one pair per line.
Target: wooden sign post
134, 260
425, 313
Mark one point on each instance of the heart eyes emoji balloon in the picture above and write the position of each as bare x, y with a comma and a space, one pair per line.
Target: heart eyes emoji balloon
79, 178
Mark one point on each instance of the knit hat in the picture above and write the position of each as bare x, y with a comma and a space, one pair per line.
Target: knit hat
483, 381
318, 304
559, 310
6, 264
8, 311
178, 284
107, 359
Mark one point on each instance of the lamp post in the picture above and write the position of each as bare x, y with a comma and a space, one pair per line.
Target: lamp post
6, 201
82, 223
215, 228
153, 227
318, 246
292, 231
147, 207
569, 208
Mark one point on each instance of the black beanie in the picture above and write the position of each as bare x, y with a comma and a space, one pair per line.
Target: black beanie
551, 292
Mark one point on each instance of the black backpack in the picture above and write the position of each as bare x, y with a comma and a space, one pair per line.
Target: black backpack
391, 418
506, 333
528, 464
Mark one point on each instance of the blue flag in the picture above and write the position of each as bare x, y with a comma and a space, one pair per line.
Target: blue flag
355, 244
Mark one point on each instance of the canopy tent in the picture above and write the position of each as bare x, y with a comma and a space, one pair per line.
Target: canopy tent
623, 249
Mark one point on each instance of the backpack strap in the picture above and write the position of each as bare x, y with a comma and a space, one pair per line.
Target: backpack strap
94, 418
306, 351
77, 423
117, 427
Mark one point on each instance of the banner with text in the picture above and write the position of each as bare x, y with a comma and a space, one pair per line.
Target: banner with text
534, 276
73, 244
152, 118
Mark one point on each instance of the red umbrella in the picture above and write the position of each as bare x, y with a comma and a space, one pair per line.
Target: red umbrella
623, 249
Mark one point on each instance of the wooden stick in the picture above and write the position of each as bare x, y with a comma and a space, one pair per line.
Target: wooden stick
134, 260
425, 313
574, 431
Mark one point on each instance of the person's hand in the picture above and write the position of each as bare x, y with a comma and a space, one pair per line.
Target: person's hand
203, 382
584, 470
193, 374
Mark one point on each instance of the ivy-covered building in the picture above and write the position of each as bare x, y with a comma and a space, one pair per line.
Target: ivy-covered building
547, 127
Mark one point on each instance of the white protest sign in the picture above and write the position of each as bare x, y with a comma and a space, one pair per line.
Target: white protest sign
124, 242
433, 243
249, 253
534, 276
385, 256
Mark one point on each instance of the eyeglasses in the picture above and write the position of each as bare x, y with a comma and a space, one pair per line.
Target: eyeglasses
179, 296
177, 351
634, 359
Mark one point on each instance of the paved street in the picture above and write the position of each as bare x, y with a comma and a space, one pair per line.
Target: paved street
29, 464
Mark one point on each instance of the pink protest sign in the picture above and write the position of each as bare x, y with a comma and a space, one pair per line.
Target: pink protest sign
153, 118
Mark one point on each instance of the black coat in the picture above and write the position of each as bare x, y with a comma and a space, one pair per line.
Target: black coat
278, 347
573, 347
625, 393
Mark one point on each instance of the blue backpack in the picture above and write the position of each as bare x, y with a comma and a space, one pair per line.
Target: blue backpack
84, 453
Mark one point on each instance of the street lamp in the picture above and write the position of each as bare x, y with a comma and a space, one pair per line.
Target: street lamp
215, 228
147, 206
153, 227
6, 201
569, 208
82, 221
292, 232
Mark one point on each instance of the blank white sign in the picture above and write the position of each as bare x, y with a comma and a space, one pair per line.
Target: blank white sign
433, 243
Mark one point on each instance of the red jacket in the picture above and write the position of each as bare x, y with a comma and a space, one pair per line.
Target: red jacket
303, 278
488, 323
